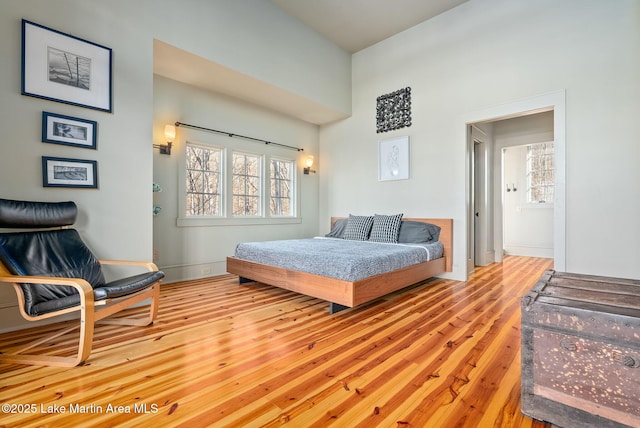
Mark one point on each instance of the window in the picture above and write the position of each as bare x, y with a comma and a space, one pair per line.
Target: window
229, 186
246, 189
204, 181
540, 173
282, 186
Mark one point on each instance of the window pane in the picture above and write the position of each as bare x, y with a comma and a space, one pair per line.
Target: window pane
246, 184
193, 205
281, 203
253, 186
194, 181
251, 206
239, 164
540, 173
284, 190
211, 182
253, 166
246, 206
203, 181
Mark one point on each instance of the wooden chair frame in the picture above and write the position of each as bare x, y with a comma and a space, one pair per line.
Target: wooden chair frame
91, 312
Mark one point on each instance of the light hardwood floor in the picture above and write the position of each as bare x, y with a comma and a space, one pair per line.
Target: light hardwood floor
440, 354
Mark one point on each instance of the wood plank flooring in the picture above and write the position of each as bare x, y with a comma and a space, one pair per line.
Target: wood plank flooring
440, 354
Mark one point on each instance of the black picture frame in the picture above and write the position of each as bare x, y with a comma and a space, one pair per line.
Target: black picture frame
69, 131
66, 172
64, 68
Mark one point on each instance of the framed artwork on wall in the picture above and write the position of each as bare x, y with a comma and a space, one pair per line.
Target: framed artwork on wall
393, 110
63, 172
393, 159
64, 68
70, 131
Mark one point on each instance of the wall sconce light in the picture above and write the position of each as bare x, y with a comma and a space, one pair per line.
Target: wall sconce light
309, 163
169, 134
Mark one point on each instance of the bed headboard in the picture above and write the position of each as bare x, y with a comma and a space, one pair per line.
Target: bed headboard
446, 235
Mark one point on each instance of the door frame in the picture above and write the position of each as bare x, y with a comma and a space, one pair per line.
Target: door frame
556, 102
480, 225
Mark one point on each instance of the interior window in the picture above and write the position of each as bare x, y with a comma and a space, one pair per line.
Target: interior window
540, 173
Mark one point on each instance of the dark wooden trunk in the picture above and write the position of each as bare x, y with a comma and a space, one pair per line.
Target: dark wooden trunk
581, 351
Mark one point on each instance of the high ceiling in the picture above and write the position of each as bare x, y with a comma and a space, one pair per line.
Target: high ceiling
357, 24
351, 24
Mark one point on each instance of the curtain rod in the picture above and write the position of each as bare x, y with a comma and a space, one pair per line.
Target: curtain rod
230, 134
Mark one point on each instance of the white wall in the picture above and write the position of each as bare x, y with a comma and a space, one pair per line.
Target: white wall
187, 252
253, 37
115, 218
488, 53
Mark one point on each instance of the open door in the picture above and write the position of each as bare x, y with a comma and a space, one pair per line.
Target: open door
479, 235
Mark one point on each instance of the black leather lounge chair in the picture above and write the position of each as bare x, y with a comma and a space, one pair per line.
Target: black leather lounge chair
54, 273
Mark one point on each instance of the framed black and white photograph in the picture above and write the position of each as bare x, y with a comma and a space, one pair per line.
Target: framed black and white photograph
64, 68
393, 159
62, 172
70, 131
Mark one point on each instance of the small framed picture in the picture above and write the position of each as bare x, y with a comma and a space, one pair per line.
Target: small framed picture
64, 68
393, 159
61, 172
70, 131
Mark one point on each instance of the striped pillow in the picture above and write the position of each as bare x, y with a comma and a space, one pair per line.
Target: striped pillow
358, 227
386, 228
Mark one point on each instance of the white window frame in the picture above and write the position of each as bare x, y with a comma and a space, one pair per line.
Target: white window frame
293, 194
261, 184
222, 181
545, 203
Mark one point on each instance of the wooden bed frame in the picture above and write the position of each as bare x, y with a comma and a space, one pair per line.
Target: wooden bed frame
346, 294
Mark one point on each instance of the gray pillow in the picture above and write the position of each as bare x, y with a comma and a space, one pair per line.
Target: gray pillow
385, 228
415, 231
337, 230
358, 227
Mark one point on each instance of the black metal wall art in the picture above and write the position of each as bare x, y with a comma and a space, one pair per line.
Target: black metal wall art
393, 111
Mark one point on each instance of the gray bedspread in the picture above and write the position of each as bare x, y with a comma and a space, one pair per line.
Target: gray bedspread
338, 258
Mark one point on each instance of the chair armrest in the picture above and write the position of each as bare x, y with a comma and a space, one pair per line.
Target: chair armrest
87, 303
148, 265
83, 287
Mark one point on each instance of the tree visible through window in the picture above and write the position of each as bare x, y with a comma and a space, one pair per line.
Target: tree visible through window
246, 178
204, 181
281, 175
540, 173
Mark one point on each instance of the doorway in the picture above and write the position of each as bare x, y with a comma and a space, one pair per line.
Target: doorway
527, 192
480, 241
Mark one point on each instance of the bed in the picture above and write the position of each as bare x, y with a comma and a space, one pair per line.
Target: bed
284, 270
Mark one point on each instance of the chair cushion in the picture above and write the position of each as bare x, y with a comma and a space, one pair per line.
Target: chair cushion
113, 289
25, 214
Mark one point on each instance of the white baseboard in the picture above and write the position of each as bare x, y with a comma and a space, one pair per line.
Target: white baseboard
513, 250
195, 271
